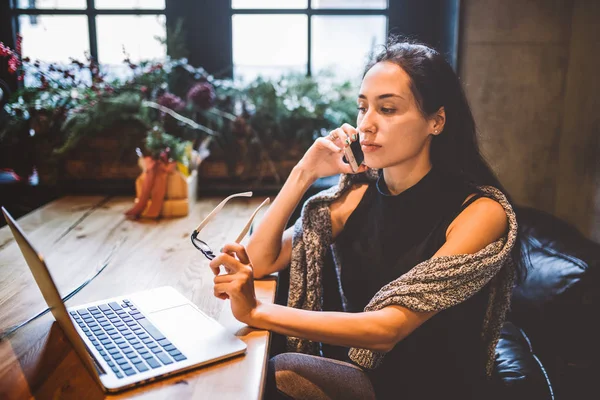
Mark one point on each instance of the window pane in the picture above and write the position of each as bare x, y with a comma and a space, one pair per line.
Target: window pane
53, 4
269, 45
338, 45
131, 4
350, 4
116, 41
54, 38
287, 4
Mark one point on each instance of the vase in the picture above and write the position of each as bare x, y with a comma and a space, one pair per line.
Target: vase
162, 190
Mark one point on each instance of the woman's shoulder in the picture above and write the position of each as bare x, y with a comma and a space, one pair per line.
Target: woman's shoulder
475, 205
482, 220
350, 198
344, 206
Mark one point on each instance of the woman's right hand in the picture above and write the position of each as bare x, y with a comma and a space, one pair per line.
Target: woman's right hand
324, 157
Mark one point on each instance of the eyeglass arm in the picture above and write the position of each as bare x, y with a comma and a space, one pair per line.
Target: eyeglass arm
247, 227
217, 209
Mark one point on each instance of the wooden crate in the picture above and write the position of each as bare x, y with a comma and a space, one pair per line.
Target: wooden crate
214, 178
105, 163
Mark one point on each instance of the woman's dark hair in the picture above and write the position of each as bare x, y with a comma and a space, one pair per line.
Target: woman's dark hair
455, 152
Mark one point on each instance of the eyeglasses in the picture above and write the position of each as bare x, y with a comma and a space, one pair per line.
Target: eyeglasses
202, 245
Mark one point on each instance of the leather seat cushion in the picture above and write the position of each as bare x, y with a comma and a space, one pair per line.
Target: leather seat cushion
517, 368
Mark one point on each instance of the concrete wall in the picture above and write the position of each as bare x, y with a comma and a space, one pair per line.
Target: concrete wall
578, 186
530, 72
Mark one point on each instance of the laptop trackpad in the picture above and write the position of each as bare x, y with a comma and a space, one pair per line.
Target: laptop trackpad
158, 299
188, 328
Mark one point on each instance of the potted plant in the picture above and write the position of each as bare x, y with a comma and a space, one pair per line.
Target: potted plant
80, 127
83, 126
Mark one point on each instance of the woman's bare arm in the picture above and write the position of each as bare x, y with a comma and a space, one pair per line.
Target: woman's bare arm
269, 248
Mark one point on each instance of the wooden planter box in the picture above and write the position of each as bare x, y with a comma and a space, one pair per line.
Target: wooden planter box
103, 164
214, 177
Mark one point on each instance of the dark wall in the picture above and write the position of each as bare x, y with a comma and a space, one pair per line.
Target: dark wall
208, 33
434, 22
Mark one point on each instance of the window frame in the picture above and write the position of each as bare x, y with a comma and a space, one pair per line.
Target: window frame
90, 11
310, 12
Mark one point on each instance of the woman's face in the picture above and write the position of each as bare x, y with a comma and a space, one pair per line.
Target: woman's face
392, 130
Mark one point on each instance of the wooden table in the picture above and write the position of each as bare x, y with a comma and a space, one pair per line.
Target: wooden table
76, 234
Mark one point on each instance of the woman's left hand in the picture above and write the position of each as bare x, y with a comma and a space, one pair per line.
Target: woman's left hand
238, 284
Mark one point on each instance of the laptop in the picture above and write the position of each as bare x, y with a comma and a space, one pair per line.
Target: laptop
130, 340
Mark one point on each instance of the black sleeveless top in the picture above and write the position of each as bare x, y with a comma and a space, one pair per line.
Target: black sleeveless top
384, 237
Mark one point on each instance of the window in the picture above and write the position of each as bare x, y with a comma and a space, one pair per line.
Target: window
45, 37
52, 4
116, 41
243, 38
58, 30
279, 45
308, 36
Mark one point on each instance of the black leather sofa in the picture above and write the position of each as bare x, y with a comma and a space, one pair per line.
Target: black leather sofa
550, 345
549, 348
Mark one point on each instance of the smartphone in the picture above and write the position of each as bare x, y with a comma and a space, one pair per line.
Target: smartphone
354, 155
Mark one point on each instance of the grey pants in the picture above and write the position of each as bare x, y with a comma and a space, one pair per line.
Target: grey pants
300, 376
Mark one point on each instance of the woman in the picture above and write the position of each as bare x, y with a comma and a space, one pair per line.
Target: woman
423, 241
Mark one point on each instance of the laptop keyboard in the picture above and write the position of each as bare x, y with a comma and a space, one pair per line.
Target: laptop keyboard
125, 338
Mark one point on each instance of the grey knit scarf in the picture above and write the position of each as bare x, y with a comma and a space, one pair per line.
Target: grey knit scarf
433, 285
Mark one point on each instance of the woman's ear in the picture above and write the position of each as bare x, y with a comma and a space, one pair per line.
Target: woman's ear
437, 122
